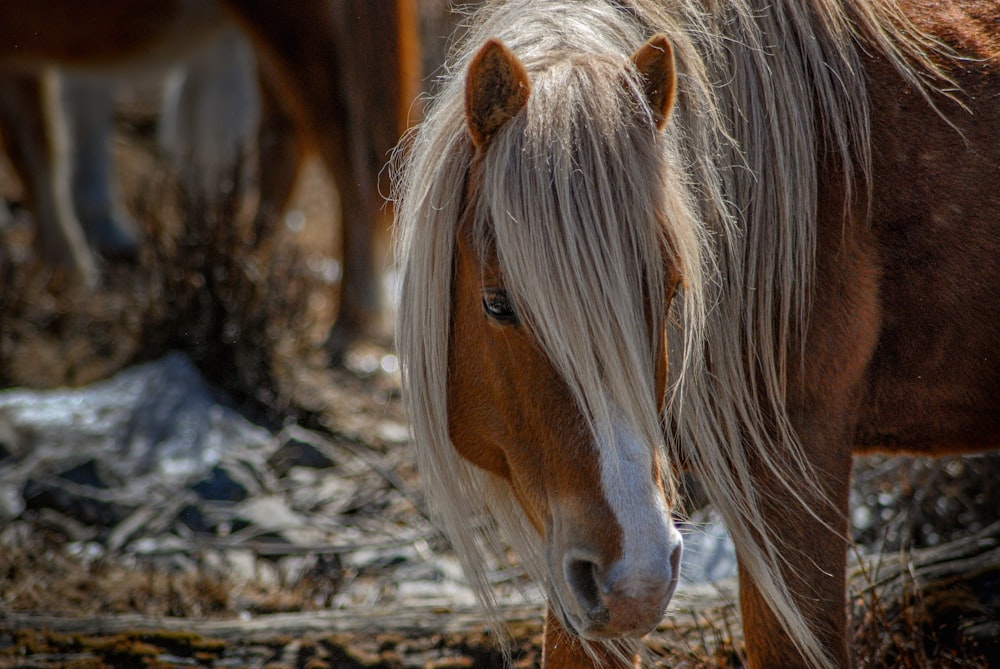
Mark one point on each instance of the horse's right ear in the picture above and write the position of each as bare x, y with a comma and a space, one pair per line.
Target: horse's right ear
654, 61
496, 89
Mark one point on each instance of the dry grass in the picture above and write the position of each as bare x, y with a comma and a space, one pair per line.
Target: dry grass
930, 596
233, 304
917, 630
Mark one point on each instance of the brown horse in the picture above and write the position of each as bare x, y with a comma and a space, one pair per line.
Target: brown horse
797, 201
346, 72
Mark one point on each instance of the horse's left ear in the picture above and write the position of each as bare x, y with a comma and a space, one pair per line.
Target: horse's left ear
496, 89
654, 61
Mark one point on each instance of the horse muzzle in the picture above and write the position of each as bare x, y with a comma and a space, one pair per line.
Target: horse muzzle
626, 599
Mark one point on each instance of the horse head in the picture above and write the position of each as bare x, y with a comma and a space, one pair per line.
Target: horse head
522, 404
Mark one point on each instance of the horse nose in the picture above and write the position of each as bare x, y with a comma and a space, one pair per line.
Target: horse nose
625, 599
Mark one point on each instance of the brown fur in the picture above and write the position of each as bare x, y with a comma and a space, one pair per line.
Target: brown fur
899, 355
655, 63
905, 314
497, 89
483, 352
75, 33
932, 384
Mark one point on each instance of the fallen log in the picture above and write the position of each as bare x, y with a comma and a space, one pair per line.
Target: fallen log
407, 620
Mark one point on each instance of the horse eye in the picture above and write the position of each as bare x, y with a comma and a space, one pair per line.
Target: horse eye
496, 305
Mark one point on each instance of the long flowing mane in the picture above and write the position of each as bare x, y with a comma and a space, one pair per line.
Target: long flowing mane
732, 188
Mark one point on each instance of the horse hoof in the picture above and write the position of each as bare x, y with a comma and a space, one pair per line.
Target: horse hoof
338, 342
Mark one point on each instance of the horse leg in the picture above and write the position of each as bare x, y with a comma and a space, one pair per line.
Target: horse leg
281, 153
303, 48
379, 43
210, 113
36, 143
561, 650
88, 107
814, 550
825, 388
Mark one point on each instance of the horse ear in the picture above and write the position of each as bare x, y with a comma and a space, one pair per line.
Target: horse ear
654, 61
496, 88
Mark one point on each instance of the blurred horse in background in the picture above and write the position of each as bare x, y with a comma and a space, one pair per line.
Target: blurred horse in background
339, 78
57, 126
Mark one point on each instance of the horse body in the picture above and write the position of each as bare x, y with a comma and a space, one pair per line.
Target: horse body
834, 238
932, 384
83, 35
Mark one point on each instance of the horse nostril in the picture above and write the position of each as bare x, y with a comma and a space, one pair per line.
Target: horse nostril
582, 575
675, 561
